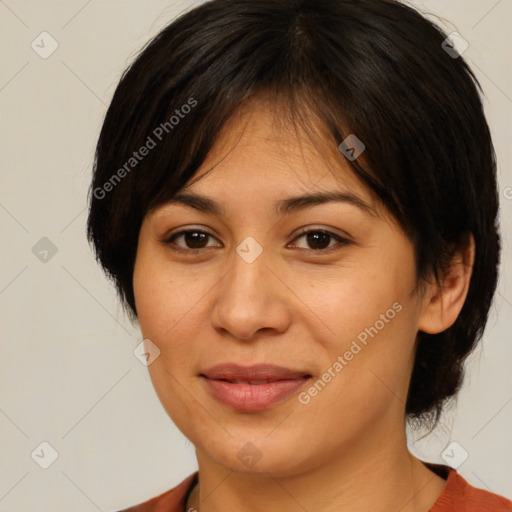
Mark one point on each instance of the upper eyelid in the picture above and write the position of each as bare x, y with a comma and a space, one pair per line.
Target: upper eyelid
346, 237
304, 231
341, 240
167, 238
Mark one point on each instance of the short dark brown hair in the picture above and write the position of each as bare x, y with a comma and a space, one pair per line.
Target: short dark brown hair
374, 68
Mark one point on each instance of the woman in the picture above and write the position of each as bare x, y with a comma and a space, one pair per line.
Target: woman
297, 202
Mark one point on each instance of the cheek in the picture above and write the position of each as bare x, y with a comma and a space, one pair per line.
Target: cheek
171, 310
370, 379
150, 300
166, 317
163, 296
349, 304
373, 320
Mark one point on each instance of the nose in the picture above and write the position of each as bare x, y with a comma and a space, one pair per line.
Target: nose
251, 298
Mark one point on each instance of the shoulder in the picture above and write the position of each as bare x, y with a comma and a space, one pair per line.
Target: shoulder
460, 496
173, 500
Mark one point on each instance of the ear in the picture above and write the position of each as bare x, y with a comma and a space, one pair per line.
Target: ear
443, 303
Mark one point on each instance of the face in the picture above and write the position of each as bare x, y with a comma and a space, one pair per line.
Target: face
286, 326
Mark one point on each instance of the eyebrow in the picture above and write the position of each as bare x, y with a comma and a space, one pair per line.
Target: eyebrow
281, 208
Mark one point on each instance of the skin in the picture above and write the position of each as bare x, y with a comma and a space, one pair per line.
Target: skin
294, 306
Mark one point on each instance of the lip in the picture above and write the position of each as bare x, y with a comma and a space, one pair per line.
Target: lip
252, 388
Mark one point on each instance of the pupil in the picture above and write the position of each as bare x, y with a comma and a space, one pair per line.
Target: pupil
318, 240
194, 239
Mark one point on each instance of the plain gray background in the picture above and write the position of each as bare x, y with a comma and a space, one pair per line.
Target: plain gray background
68, 375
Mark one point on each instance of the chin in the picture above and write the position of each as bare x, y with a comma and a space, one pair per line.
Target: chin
248, 454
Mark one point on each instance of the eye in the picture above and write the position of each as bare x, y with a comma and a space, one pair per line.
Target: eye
319, 240
194, 240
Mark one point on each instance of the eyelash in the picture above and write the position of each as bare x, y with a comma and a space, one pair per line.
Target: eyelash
169, 241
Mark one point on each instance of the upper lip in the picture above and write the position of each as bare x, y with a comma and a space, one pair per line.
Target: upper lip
266, 372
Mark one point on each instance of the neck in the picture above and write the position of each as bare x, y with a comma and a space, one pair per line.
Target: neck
370, 476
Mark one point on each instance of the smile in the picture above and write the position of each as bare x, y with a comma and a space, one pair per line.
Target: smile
254, 388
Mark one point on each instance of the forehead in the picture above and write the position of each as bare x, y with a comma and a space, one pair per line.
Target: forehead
261, 149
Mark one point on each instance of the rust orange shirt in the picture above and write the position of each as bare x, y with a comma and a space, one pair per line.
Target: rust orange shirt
457, 496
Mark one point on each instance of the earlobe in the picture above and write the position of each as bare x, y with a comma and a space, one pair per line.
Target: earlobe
443, 303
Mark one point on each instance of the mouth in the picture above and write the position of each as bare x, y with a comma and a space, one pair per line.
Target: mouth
252, 388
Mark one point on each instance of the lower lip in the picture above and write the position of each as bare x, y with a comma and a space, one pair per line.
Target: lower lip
253, 397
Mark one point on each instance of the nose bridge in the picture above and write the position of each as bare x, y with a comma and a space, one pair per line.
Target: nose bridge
248, 279
249, 299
